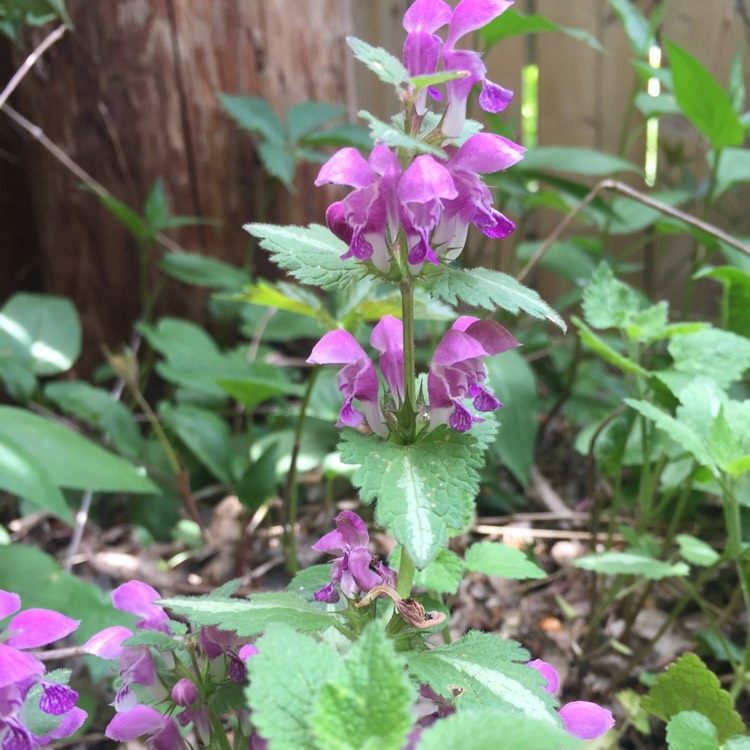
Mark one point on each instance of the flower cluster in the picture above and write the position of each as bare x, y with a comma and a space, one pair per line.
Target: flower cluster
356, 570
456, 372
225, 658
24, 684
431, 201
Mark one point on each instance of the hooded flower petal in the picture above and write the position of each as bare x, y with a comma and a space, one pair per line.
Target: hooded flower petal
351, 531
586, 720
16, 666
388, 338
134, 723
357, 379
457, 372
39, 627
346, 167
9, 603
106, 643
470, 15
71, 723
549, 673
138, 598
486, 153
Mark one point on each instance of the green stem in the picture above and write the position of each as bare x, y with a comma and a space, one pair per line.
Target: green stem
734, 552
410, 399
405, 575
290, 491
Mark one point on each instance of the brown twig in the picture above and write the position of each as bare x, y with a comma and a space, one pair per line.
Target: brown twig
30, 62
38, 134
620, 187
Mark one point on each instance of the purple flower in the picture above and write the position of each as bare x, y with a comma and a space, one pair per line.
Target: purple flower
356, 569
145, 720
422, 45
21, 672
457, 372
388, 338
422, 190
136, 665
470, 15
483, 153
220, 647
368, 218
581, 719
137, 598
357, 379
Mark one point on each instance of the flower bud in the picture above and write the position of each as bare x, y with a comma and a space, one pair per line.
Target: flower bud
185, 693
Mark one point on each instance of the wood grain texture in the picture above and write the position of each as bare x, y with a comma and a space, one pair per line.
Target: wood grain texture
131, 95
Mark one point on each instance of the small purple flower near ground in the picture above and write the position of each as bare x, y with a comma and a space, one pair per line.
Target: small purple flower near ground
581, 719
20, 672
457, 372
356, 570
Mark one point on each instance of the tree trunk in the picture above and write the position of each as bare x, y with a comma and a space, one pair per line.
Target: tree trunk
131, 95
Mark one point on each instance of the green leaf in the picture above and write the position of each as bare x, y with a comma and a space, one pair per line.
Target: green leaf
286, 677
250, 616
283, 297
702, 100
636, 26
423, 489
608, 302
206, 436
713, 353
161, 641
387, 67
24, 474
512, 23
346, 134
655, 106
435, 79
633, 216
679, 431
517, 731
306, 582
392, 135
156, 208
202, 271
689, 685
737, 743
367, 703
442, 576
632, 563
304, 118
696, 551
480, 287
485, 669
568, 259
260, 383
311, 254
496, 559
690, 730
42, 329
259, 482
514, 383
135, 224
583, 161
279, 162
735, 305
733, 169
98, 408
606, 352
254, 114
71, 461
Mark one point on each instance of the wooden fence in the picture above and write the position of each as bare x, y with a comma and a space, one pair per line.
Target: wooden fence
131, 95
